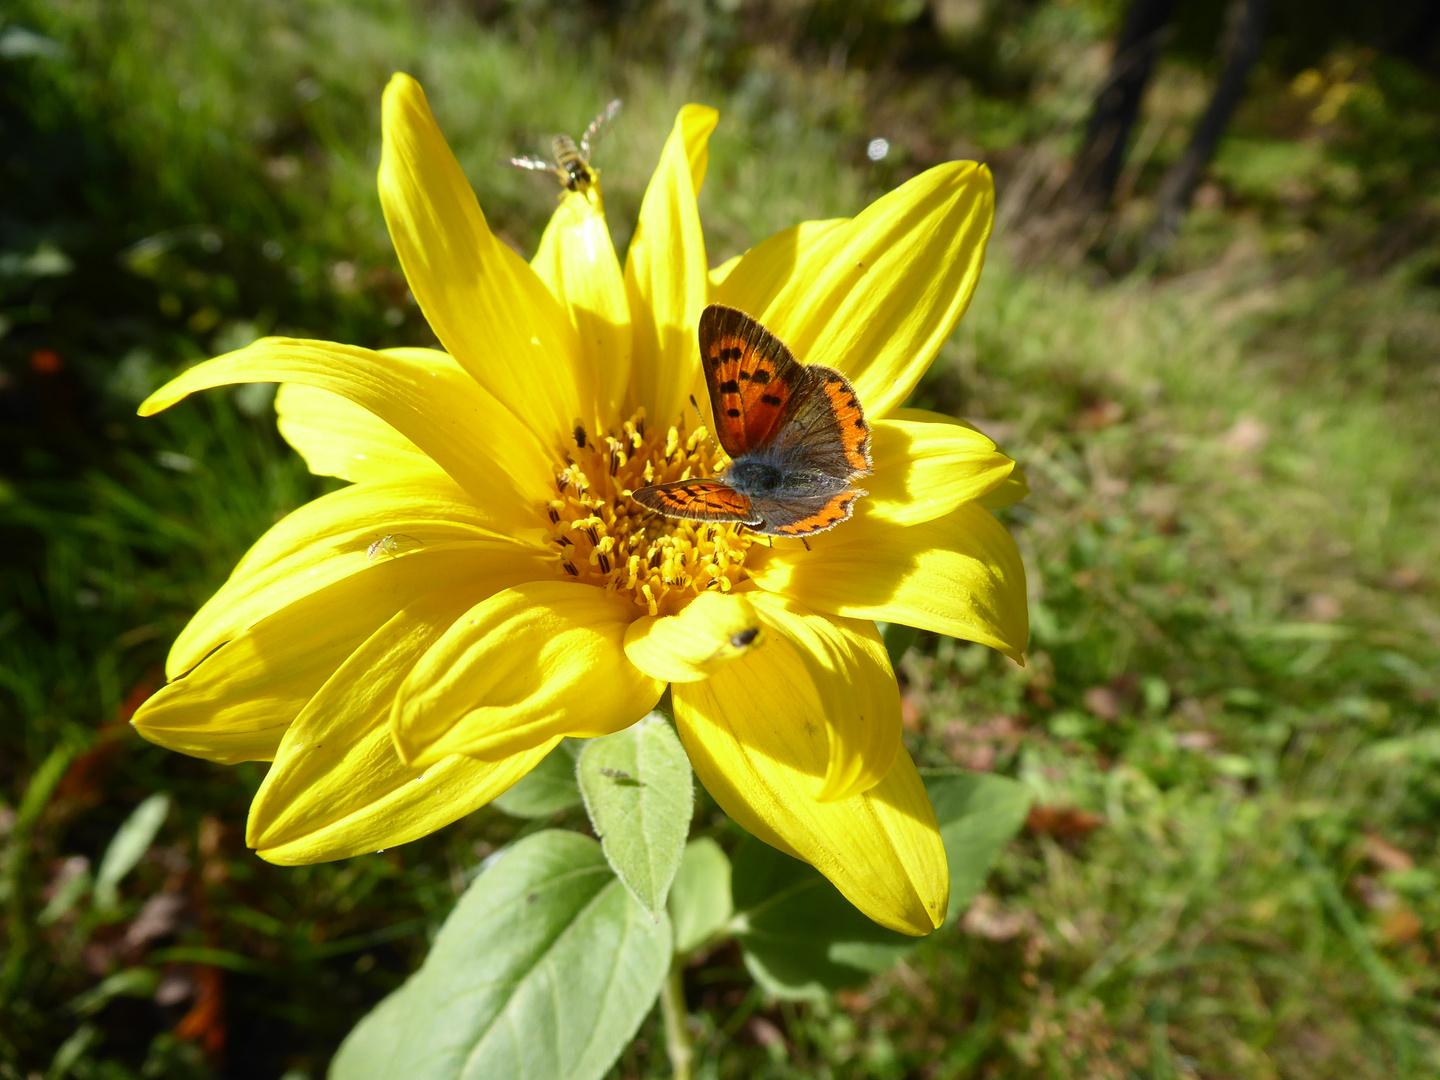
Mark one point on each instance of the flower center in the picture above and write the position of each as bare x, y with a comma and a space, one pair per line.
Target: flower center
606, 538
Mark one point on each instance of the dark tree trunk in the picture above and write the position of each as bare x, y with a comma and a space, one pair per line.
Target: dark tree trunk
1239, 49
1098, 164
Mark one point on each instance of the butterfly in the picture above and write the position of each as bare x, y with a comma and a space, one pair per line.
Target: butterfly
796, 436
572, 163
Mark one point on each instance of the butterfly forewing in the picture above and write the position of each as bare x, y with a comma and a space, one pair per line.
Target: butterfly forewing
825, 431
698, 500
751, 375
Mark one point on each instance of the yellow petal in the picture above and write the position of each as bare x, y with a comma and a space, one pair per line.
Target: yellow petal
532, 663
576, 259
758, 744
769, 268
959, 574
924, 470
877, 298
338, 787
485, 304
420, 393
701, 638
336, 437
236, 704
666, 274
721, 272
328, 540
1015, 488
1010, 490
848, 671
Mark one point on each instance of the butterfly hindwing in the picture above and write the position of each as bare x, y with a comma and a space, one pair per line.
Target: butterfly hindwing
801, 515
697, 500
751, 375
826, 432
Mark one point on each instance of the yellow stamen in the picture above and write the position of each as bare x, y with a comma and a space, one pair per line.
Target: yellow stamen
605, 538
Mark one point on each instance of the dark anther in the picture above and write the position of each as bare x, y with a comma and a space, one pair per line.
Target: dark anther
554, 516
604, 562
744, 637
569, 569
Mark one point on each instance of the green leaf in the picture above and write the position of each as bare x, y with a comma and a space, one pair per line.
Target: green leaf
131, 842
545, 968
801, 938
640, 795
548, 788
700, 903
978, 813
132, 982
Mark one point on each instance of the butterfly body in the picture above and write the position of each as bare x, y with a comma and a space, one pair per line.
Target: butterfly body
795, 433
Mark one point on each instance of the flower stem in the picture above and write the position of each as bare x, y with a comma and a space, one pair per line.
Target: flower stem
677, 1033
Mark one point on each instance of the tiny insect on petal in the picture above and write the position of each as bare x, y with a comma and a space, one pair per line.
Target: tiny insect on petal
392, 544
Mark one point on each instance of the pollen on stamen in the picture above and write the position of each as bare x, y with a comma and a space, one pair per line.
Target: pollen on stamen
603, 537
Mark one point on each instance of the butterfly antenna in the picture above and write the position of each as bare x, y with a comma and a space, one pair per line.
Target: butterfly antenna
696, 406
805, 542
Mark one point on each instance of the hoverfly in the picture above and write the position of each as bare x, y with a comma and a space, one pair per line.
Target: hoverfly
391, 544
572, 163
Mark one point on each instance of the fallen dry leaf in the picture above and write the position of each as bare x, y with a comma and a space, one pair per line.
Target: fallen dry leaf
1062, 822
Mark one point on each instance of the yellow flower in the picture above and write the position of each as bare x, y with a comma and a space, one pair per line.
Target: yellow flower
397, 686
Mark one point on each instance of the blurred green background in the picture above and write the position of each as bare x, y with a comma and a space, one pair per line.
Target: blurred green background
1229, 717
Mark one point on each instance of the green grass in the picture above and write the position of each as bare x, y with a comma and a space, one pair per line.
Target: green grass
1231, 545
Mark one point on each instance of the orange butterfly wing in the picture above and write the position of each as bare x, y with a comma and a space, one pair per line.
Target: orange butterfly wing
697, 500
848, 417
805, 514
751, 376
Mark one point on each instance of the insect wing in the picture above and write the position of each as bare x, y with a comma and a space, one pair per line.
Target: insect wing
826, 431
751, 375
697, 500
804, 514
597, 128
